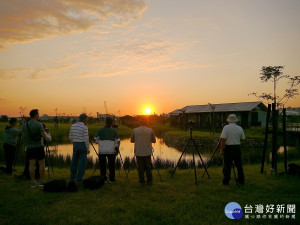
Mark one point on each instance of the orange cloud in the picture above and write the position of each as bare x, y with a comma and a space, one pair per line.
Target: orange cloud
26, 21
42, 72
136, 56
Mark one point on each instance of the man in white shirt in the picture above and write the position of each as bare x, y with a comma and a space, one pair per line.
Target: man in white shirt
79, 136
231, 138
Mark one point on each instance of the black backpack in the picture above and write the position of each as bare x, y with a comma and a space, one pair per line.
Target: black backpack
72, 186
93, 182
56, 186
294, 169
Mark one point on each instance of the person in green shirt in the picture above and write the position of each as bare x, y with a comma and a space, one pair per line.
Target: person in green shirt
109, 143
10, 144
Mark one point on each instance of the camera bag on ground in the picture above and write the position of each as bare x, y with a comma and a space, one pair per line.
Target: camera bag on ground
55, 186
93, 182
2, 169
294, 169
72, 186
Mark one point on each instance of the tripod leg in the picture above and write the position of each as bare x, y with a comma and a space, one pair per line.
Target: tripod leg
50, 162
181, 157
156, 168
126, 178
201, 158
211, 159
122, 162
194, 165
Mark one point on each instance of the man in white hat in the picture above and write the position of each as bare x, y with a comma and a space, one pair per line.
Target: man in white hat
231, 138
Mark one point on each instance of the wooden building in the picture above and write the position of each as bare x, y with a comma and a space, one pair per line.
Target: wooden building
248, 114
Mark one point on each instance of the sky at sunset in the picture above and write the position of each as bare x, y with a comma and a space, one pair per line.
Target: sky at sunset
75, 55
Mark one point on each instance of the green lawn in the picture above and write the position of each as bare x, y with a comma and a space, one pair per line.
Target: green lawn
173, 201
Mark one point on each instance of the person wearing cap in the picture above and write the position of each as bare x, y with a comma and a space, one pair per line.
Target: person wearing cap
79, 136
109, 143
143, 137
231, 138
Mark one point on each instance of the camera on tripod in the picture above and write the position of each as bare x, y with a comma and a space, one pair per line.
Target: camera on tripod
115, 126
191, 123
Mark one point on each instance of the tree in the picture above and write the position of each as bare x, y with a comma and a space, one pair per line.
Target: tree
274, 74
3, 118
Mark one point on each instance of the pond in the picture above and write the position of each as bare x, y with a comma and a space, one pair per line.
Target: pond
161, 150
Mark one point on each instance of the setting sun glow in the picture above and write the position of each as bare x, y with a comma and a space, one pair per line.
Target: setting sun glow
148, 111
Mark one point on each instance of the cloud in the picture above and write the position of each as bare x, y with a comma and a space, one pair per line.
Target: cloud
26, 21
9, 74
42, 72
46, 72
136, 56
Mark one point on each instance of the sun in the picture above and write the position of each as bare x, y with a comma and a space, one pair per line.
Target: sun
147, 111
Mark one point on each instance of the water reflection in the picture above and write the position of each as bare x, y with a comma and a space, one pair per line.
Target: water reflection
161, 150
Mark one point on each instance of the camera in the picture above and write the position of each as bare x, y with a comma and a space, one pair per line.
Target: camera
191, 123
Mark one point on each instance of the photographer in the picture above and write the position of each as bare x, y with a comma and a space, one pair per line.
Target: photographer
231, 138
79, 136
34, 132
109, 143
143, 137
10, 144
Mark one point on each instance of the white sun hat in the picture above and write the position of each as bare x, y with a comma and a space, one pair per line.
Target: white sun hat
232, 118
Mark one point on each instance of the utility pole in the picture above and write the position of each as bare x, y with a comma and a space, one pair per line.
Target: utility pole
105, 107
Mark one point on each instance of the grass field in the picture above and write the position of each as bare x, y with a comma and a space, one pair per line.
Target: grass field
173, 201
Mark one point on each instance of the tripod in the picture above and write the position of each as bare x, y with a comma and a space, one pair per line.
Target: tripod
155, 166
126, 177
215, 150
211, 159
97, 155
191, 139
48, 159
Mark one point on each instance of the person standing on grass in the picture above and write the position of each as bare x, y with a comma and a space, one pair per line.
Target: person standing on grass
231, 138
34, 133
10, 144
109, 143
143, 137
79, 136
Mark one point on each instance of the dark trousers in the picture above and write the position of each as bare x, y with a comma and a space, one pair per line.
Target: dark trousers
232, 153
144, 164
10, 152
111, 165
